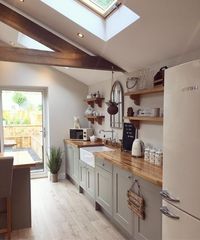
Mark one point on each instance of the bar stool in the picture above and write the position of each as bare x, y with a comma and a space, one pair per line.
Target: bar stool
6, 173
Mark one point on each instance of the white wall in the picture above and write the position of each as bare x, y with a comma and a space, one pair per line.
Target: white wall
65, 96
150, 133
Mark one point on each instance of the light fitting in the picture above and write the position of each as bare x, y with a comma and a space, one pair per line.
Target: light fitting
80, 35
12, 43
21, 0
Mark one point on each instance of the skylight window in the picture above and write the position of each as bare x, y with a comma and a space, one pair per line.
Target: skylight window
102, 7
104, 28
31, 43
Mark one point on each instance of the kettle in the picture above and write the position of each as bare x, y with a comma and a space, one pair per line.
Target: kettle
137, 148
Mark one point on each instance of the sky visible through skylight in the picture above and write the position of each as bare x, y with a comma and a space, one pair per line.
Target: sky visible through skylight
102, 7
104, 4
101, 25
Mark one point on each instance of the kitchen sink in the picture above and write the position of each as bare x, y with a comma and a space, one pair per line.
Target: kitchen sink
87, 156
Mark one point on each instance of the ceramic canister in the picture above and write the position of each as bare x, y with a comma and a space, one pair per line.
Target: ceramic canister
147, 154
158, 158
152, 156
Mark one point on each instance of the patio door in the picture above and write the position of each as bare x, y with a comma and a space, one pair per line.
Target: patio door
23, 130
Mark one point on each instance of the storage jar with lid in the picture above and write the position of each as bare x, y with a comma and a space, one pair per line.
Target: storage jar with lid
147, 154
158, 157
152, 156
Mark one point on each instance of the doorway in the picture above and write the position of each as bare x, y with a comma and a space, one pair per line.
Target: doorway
23, 126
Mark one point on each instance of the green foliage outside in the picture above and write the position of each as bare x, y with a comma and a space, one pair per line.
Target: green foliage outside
19, 99
16, 118
27, 113
54, 160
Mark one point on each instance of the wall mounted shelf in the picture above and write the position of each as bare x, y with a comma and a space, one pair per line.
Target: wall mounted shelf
92, 101
97, 119
135, 95
136, 120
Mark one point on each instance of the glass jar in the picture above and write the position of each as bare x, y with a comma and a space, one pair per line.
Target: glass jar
147, 154
158, 157
152, 156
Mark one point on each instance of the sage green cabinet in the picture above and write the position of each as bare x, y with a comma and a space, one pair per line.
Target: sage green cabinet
72, 161
90, 181
104, 188
69, 158
76, 164
108, 184
82, 174
151, 227
122, 182
87, 178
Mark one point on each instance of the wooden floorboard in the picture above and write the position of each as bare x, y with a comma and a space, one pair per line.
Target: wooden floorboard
60, 212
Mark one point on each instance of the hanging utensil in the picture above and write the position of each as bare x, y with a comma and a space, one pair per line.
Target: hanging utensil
112, 107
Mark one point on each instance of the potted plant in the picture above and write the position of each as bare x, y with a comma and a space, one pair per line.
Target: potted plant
54, 163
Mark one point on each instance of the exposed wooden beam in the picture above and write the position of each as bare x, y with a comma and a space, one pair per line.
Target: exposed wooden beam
42, 35
33, 30
54, 59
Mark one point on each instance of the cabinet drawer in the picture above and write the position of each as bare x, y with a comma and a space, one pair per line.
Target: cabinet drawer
104, 164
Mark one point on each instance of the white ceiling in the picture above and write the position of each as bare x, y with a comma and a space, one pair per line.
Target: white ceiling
88, 76
166, 29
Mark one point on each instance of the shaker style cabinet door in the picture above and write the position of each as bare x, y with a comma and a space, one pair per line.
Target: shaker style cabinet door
82, 174
122, 182
104, 189
151, 227
87, 178
76, 165
69, 157
90, 181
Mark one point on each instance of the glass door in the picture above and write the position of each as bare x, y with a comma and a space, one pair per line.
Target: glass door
23, 126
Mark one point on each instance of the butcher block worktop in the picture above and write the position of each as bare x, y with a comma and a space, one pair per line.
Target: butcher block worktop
80, 144
124, 160
137, 166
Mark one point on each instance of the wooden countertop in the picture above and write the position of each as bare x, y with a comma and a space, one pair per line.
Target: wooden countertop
22, 159
137, 166
80, 144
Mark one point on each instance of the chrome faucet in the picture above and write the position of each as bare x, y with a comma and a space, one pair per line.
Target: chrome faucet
107, 131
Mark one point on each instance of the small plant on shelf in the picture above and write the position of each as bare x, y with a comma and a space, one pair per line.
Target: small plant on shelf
54, 162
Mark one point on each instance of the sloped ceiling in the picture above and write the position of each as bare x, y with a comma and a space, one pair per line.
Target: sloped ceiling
87, 76
166, 29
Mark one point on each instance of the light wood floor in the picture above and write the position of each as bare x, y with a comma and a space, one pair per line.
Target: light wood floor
59, 212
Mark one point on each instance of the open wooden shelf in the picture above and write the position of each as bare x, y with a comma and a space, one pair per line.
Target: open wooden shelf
92, 101
98, 119
135, 95
136, 120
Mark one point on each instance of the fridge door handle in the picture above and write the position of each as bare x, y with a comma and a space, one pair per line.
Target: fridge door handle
164, 210
165, 195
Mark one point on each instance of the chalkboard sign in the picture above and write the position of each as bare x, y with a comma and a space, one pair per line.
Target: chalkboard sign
128, 136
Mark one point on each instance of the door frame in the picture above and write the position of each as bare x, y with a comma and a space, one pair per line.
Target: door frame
45, 122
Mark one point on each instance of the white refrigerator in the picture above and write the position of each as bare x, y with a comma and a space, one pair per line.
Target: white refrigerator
181, 164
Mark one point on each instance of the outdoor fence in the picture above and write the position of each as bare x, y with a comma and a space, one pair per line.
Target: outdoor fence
25, 136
